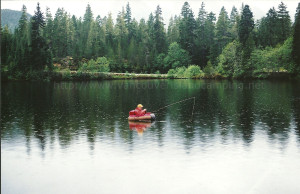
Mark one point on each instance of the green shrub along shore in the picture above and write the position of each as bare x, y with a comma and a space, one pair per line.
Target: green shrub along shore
99, 69
192, 72
230, 46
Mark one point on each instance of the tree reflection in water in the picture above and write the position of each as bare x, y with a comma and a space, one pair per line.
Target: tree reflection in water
63, 113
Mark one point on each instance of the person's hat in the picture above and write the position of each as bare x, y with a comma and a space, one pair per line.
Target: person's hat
140, 106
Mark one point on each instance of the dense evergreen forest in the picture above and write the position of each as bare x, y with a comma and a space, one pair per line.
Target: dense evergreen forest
231, 44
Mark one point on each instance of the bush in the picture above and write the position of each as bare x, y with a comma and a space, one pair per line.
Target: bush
159, 61
180, 72
273, 59
100, 65
193, 71
229, 59
30, 75
209, 69
103, 64
171, 73
177, 57
66, 75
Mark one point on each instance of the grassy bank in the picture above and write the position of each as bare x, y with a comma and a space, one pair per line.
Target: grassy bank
78, 76
75, 75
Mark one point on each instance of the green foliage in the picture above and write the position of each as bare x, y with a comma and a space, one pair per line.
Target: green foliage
64, 34
246, 25
21, 46
159, 32
193, 71
296, 41
180, 71
229, 60
284, 22
171, 73
273, 59
173, 30
66, 74
176, 57
231, 46
187, 30
209, 69
275, 28
39, 48
100, 65
6, 40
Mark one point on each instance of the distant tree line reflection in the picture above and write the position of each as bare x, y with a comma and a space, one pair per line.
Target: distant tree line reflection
50, 114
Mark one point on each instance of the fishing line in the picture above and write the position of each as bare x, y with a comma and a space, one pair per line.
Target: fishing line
156, 111
192, 115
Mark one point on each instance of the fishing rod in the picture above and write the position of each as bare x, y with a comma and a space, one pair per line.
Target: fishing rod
178, 103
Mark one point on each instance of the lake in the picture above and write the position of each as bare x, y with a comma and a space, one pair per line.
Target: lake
74, 137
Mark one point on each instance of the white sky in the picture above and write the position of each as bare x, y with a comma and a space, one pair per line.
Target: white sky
142, 8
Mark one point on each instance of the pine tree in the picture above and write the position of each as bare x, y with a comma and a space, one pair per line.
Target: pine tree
269, 29
21, 44
92, 42
63, 34
284, 23
48, 31
210, 40
173, 30
76, 50
233, 14
201, 39
6, 46
40, 52
23, 22
261, 32
169, 30
127, 16
150, 26
187, 29
159, 32
143, 40
142, 46
272, 27
246, 25
121, 34
86, 25
233, 23
128, 22
222, 32
101, 36
202, 15
296, 40
150, 47
110, 36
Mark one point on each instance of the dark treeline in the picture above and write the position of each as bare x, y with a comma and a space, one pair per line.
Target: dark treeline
232, 44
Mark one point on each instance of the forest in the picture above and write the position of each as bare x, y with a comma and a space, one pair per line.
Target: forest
230, 45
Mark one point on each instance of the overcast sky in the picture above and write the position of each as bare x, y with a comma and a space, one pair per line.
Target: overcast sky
142, 8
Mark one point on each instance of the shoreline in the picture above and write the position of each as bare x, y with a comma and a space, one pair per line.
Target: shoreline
86, 76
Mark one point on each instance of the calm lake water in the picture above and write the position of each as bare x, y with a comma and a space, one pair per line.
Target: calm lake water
74, 137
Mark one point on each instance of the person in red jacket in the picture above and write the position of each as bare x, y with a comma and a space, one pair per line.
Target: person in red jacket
139, 111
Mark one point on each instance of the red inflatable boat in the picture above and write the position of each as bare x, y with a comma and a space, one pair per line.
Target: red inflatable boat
146, 117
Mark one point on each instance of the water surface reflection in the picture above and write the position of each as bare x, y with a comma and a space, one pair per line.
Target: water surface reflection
249, 127
98, 110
